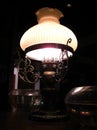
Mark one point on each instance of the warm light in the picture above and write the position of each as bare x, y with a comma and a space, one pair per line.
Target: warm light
46, 54
49, 73
35, 41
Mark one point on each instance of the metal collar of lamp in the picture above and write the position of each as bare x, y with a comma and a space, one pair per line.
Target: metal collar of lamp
49, 41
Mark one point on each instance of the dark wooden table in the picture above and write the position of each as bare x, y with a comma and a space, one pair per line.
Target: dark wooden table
20, 121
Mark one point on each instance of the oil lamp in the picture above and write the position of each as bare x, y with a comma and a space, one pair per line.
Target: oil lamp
52, 44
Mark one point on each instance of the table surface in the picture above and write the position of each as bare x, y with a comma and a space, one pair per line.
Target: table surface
20, 121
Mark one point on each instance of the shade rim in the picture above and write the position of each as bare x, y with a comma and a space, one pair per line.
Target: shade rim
49, 45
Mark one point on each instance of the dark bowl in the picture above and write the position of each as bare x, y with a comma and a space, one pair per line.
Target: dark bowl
81, 103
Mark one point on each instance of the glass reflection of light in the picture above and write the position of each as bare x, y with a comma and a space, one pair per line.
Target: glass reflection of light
77, 90
85, 113
80, 89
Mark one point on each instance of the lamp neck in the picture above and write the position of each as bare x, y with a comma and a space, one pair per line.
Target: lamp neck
48, 14
48, 19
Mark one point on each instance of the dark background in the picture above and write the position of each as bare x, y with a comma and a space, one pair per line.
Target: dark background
79, 15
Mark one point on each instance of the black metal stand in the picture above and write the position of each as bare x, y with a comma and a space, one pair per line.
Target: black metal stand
52, 103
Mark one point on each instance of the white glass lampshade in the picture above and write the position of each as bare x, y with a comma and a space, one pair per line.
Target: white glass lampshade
48, 38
